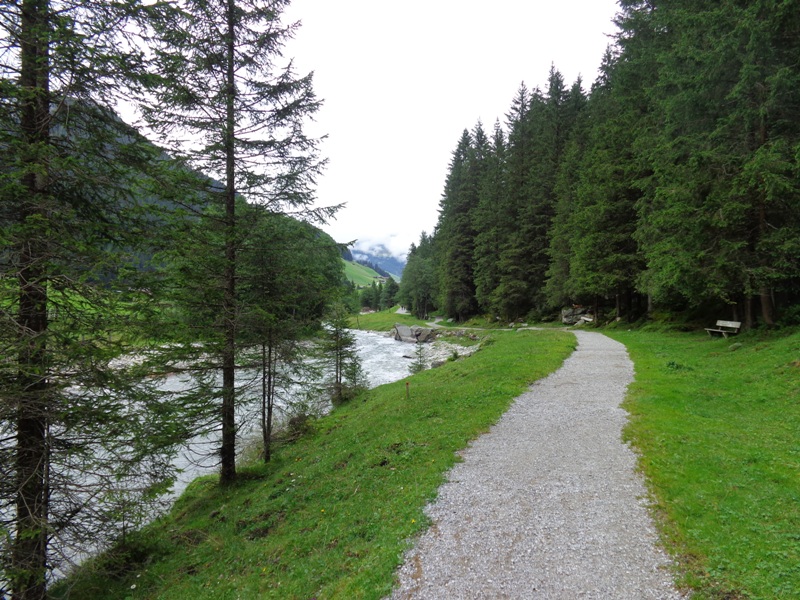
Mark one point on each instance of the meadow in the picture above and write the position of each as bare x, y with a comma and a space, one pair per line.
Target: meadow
716, 423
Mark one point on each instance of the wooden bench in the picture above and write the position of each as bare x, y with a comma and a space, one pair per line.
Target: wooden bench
724, 328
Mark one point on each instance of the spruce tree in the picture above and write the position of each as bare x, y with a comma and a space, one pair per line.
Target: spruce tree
456, 233
592, 248
492, 222
720, 209
419, 286
84, 438
511, 297
289, 272
230, 109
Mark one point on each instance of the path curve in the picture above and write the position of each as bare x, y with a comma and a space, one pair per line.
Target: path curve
548, 504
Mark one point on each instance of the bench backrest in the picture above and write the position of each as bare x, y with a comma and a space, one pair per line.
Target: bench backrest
732, 324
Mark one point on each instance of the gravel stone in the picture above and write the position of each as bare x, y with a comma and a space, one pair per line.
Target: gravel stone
548, 504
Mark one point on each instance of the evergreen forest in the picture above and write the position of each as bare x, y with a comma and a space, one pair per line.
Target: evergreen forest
125, 261
670, 185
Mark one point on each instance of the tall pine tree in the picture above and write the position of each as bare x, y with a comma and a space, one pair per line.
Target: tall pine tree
80, 447
455, 234
223, 94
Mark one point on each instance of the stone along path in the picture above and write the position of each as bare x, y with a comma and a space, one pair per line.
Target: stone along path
548, 504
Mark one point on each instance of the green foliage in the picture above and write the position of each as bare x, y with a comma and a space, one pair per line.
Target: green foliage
419, 287
419, 363
84, 437
717, 433
456, 233
339, 351
675, 180
224, 106
332, 514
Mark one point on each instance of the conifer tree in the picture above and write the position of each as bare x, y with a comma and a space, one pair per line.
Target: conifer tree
551, 124
492, 222
83, 440
715, 222
592, 247
289, 273
418, 288
455, 235
227, 105
510, 297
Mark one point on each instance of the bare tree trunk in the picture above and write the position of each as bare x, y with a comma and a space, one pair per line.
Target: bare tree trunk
267, 395
596, 309
767, 307
29, 551
228, 449
748, 312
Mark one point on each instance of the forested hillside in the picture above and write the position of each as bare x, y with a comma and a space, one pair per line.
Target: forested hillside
672, 183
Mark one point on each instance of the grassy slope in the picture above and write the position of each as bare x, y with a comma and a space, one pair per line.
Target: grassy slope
718, 427
359, 274
332, 514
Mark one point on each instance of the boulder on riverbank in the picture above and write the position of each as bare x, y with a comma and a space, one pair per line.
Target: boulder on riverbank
414, 334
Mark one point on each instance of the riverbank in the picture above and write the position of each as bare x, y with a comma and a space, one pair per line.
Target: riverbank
332, 514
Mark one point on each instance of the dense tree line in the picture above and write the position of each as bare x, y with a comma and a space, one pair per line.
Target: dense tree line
122, 261
672, 182
379, 295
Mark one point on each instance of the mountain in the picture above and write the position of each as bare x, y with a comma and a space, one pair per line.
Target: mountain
359, 274
380, 256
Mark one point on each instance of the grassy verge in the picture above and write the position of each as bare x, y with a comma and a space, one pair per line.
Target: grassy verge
717, 423
331, 516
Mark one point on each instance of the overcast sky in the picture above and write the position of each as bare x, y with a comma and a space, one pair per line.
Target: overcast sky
401, 80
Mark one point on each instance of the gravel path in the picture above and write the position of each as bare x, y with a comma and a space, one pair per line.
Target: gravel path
547, 504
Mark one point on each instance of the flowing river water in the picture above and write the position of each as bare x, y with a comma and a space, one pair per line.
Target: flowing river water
383, 360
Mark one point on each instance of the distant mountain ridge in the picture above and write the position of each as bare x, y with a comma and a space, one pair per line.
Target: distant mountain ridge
379, 256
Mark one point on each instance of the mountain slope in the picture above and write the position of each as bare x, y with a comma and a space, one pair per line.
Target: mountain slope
359, 274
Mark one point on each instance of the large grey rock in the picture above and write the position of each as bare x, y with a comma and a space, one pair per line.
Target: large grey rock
423, 334
414, 335
403, 333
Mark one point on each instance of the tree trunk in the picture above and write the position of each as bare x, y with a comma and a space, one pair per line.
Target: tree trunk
228, 449
748, 312
28, 570
767, 308
267, 395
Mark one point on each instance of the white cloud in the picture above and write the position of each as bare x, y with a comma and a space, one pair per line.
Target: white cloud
401, 81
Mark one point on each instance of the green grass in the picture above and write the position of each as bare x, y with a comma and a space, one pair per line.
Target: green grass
718, 428
359, 274
383, 320
331, 516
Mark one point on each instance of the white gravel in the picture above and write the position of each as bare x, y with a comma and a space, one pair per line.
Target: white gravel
548, 504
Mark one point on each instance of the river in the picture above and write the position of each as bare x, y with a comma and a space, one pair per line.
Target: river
382, 359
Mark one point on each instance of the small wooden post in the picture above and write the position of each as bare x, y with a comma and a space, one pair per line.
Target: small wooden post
408, 393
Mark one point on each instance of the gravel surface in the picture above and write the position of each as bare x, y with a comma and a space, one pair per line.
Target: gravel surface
548, 503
